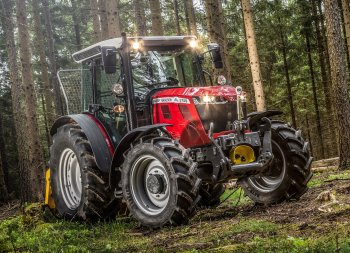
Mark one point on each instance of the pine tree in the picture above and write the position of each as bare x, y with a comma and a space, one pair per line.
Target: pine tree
114, 28
253, 56
95, 20
15, 81
3, 187
140, 19
156, 14
191, 17
216, 32
45, 80
339, 80
52, 58
76, 24
103, 19
34, 183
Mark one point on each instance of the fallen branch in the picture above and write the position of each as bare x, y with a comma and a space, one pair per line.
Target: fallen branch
336, 179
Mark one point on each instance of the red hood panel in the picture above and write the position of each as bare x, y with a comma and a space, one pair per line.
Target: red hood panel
227, 92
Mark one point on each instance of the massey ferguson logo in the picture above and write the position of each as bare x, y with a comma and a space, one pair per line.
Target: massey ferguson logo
167, 100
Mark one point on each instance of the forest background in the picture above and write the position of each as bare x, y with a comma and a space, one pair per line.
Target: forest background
38, 38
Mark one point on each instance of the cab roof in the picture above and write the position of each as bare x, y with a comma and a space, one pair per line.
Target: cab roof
94, 51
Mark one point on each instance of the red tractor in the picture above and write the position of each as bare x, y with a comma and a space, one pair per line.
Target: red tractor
151, 130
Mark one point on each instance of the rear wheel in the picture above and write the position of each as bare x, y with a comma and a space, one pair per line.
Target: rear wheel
159, 183
79, 188
289, 173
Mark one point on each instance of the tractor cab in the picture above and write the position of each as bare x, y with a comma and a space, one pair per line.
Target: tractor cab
122, 76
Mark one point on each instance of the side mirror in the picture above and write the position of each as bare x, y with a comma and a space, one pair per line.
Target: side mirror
215, 53
109, 59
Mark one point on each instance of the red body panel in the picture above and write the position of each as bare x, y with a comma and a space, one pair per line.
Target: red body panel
176, 107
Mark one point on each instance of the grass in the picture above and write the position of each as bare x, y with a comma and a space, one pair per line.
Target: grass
240, 234
318, 180
226, 229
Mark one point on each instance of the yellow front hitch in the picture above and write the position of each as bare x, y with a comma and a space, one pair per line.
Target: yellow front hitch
48, 192
242, 155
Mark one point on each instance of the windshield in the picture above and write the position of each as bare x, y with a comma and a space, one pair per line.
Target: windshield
155, 69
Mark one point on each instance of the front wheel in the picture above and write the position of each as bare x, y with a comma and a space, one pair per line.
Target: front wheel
290, 171
80, 190
159, 183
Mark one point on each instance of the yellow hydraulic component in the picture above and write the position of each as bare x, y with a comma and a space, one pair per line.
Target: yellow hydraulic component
48, 193
242, 155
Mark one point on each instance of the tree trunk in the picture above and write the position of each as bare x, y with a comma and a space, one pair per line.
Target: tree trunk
192, 24
52, 58
35, 180
177, 18
15, 81
3, 166
345, 18
339, 80
156, 14
315, 98
112, 8
187, 18
39, 46
139, 8
217, 34
3, 154
3, 188
103, 19
308, 129
253, 56
47, 131
76, 24
95, 20
325, 78
286, 71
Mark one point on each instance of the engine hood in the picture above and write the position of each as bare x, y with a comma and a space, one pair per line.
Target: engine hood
227, 92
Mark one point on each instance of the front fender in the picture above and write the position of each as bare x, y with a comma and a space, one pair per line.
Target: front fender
254, 117
129, 138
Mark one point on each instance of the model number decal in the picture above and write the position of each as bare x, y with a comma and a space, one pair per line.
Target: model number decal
166, 100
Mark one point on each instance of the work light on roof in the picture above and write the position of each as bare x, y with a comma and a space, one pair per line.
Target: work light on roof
193, 43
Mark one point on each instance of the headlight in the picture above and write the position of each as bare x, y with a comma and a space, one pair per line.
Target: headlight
119, 109
208, 99
118, 89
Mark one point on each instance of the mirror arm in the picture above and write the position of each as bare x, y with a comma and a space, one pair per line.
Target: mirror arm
210, 77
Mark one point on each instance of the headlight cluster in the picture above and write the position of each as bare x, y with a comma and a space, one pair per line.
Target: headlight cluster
207, 99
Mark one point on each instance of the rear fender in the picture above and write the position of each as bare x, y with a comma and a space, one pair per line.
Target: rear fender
101, 144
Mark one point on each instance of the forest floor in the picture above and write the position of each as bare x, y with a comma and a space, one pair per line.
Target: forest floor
318, 222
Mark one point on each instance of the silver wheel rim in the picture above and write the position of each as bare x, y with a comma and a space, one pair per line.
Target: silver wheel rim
70, 179
149, 184
267, 182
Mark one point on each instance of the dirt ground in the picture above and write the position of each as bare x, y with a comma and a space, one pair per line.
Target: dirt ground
318, 222
321, 211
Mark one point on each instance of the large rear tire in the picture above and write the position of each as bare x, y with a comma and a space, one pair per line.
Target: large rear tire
80, 190
159, 183
290, 171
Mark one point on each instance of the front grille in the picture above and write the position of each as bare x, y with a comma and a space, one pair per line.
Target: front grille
219, 114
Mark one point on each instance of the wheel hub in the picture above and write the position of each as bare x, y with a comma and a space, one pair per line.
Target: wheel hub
150, 185
70, 179
156, 183
273, 177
